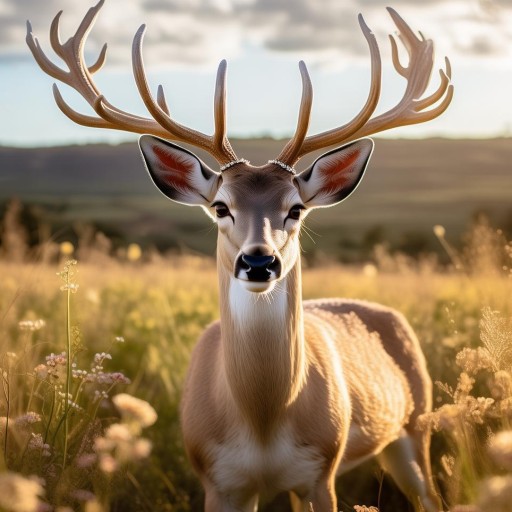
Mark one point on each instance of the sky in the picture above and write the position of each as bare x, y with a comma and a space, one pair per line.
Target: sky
262, 40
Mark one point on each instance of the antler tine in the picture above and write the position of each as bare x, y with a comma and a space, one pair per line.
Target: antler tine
100, 61
342, 133
79, 77
160, 98
54, 36
178, 131
411, 109
220, 141
42, 60
292, 149
81, 119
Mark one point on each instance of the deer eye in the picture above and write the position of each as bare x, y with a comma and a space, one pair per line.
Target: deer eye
221, 210
294, 212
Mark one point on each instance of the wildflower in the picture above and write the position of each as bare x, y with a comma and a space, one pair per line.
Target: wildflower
439, 231
119, 339
477, 408
464, 386
56, 364
134, 410
66, 248
118, 433
142, 448
500, 449
473, 360
28, 419
108, 464
134, 252
119, 447
19, 494
31, 325
41, 371
370, 270
111, 378
500, 385
72, 287
496, 494
37, 443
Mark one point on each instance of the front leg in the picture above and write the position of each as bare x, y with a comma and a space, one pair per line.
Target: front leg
322, 499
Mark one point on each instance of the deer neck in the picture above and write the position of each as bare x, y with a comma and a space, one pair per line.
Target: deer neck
263, 348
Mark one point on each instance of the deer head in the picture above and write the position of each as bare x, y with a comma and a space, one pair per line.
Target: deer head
258, 210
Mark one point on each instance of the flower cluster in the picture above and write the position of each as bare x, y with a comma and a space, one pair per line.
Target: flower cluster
31, 325
121, 443
68, 275
19, 494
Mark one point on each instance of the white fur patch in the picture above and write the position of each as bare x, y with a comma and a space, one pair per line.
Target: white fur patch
250, 309
282, 464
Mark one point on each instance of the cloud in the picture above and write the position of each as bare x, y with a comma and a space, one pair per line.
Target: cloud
200, 32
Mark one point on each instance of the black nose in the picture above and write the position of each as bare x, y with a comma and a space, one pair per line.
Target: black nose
258, 261
258, 267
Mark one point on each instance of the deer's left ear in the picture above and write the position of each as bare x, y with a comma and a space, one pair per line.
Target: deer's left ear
335, 175
178, 173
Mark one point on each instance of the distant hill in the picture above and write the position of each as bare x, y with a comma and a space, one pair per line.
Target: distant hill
410, 186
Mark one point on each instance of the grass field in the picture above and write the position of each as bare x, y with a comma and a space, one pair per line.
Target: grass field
130, 328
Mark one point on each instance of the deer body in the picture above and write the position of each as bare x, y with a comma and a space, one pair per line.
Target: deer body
292, 393
282, 395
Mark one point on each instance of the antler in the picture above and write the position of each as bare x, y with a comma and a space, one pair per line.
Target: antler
411, 109
79, 77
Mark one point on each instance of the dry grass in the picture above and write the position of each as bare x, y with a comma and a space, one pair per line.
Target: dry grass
86, 454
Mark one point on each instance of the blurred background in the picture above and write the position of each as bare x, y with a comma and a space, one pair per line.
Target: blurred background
71, 181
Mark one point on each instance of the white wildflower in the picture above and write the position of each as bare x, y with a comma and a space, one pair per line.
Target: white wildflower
135, 410
118, 433
496, 494
31, 325
500, 449
19, 494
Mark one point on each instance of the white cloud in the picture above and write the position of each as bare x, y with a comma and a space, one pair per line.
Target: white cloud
201, 32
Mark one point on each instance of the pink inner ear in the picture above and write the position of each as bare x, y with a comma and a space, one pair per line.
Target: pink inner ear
174, 168
337, 173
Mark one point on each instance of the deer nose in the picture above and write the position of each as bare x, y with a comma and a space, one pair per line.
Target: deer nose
258, 267
254, 262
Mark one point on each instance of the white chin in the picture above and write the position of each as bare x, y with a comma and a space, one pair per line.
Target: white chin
257, 286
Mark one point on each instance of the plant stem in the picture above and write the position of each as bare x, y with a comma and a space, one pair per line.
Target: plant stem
68, 372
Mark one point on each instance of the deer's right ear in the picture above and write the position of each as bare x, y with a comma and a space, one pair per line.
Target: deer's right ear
178, 173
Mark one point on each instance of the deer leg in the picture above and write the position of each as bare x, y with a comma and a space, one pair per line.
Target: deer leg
299, 504
323, 498
402, 459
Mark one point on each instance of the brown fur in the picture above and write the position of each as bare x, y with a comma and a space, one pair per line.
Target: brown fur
324, 384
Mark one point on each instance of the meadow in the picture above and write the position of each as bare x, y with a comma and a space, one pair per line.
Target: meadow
128, 325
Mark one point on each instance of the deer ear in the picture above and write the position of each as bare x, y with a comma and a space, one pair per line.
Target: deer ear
335, 175
178, 173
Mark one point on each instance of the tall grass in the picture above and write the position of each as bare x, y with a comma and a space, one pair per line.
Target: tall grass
135, 324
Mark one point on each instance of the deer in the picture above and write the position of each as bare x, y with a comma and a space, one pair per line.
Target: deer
282, 394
